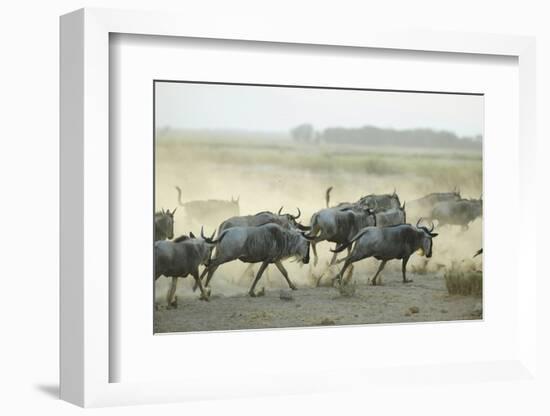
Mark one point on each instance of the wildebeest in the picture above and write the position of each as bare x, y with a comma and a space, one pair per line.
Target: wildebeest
461, 212
284, 220
181, 257
388, 243
338, 225
164, 224
266, 244
380, 202
391, 216
211, 211
422, 207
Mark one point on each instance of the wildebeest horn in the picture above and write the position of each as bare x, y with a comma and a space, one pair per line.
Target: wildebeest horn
403, 207
174, 210
418, 222
202, 233
191, 235
280, 209
299, 213
432, 228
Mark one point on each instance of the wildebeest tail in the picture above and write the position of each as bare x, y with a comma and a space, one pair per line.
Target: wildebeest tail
313, 226
178, 189
327, 196
343, 246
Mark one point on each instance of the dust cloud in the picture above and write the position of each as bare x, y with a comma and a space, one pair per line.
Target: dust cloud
267, 175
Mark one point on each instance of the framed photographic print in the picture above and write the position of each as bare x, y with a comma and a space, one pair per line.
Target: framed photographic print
248, 204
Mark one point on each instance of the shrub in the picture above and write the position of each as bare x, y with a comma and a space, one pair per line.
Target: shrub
464, 282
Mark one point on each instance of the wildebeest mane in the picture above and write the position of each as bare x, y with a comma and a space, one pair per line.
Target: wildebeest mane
181, 238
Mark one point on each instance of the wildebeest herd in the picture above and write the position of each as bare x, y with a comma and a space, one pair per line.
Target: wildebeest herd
373, 226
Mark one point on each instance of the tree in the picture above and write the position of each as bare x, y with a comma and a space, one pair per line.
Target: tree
302, 133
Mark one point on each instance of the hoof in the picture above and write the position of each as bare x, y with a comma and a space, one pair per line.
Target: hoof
293, 287
206, 294
407, 281
251, 294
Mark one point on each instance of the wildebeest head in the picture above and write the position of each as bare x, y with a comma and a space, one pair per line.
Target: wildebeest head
427, 237
164, 223
292, 220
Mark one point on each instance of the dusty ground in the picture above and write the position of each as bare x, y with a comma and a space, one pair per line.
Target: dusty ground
312, 306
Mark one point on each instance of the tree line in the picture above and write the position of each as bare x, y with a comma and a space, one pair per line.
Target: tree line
376, 136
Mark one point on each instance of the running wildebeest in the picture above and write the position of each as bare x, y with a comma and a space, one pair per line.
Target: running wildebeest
266, 244
181, 257
391, 216
422, 207
211, 211
388, 243
164, 224
287, 221
338, 225
461, 212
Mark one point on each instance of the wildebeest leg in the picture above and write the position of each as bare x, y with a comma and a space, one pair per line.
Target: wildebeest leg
285, 274
195, 286
333, 260
340, 275
380, 268
258, 275
205, 294
211, 270
404, 270
170, 298
315, 256
350, 273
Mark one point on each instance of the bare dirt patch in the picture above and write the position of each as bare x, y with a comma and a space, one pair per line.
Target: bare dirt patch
425, 299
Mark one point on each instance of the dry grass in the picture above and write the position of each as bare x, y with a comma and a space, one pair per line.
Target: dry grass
464, 281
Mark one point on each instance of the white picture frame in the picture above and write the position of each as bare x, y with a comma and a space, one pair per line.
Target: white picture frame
85, 353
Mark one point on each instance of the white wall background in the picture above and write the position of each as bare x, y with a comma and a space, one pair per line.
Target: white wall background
29, 208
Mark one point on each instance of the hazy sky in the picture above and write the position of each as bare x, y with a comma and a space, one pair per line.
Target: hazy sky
203, 106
